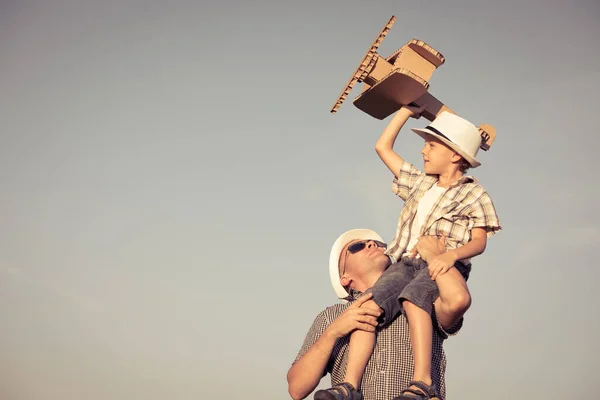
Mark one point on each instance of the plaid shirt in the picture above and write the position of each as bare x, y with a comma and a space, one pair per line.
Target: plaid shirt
463, 206
391, 366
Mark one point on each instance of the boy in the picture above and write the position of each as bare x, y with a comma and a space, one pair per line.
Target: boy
440, 201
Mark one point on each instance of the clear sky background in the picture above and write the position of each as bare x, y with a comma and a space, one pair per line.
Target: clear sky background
172, 182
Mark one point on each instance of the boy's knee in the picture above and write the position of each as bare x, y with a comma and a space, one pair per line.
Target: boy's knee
461, 302
372, 305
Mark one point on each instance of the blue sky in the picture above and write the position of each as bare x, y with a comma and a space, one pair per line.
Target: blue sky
173, 182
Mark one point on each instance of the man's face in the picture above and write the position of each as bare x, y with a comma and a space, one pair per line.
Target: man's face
369, 259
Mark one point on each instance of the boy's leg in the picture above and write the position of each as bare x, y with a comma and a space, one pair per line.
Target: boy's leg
454, 299
387, 289
385, 298
417, 301
359, 352
421, 333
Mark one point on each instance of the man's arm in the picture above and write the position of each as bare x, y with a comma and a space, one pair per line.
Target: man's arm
305, 374
385, 144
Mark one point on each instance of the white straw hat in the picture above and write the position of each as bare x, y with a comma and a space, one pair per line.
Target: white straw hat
457, 133
334, 256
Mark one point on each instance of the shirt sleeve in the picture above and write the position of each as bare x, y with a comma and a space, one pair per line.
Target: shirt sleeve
406, 180
319, 325
484, 215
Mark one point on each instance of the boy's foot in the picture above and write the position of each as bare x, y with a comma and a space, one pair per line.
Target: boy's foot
418, 390
342, 391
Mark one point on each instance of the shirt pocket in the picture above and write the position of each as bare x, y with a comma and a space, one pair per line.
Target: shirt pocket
456, 227
381, 359
454, 207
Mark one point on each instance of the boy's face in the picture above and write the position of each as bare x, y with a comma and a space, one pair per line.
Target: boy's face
437, 157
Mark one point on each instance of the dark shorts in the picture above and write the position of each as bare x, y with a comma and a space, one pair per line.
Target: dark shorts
407, 280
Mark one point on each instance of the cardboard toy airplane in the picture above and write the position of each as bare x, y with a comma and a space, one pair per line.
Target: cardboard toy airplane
401, 79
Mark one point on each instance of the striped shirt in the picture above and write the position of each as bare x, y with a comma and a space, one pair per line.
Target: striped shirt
463, 206
390, 368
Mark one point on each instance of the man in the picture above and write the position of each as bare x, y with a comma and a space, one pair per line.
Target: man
325, 348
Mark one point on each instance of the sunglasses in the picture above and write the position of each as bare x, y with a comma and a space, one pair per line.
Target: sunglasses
359, 246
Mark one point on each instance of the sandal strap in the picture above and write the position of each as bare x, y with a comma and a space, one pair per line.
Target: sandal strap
427, 392
417, 394
349, 394
352, 393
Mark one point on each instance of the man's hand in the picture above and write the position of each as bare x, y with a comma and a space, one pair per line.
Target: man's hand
439, 265
355, 317
429, 247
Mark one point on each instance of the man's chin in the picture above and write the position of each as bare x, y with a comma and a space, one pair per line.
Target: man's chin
385, 262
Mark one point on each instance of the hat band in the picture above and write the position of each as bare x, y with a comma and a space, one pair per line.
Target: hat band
431, 128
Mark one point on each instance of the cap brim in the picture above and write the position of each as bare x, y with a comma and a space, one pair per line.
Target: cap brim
334, 255
426, 132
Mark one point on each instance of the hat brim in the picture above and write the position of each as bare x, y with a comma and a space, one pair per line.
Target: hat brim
336, 250
426, 132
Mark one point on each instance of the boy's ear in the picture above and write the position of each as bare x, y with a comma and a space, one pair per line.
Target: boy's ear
456, 157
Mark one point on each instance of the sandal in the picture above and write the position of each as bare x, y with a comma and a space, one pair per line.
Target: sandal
338, 393
424, 392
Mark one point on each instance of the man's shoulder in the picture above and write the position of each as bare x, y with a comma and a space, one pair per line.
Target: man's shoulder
334, 310
329, 314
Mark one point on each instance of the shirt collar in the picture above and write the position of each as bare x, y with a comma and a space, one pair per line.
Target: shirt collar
464, 179
352, 295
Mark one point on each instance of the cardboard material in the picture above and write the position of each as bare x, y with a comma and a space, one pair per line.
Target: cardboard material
400, 79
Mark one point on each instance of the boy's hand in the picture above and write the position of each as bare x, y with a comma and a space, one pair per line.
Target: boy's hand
439, 265
429, 246
414, 112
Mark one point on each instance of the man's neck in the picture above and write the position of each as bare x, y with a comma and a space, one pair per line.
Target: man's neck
367, 282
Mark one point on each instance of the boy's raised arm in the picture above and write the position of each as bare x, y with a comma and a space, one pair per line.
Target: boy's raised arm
385, 144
